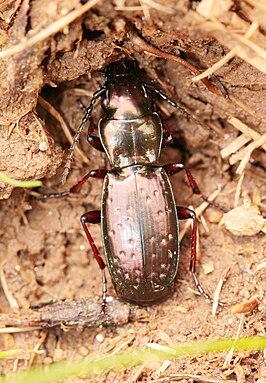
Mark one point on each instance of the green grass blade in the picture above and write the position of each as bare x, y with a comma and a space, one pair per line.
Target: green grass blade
86, 367
19, 184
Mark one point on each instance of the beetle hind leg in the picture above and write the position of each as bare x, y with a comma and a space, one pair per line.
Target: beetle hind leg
185, 213
95, 217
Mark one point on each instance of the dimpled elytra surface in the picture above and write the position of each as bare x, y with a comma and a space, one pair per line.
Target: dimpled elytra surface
140, 232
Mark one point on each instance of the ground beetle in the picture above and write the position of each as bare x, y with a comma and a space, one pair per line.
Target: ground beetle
139, 217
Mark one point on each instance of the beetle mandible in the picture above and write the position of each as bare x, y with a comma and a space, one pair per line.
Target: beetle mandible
138, 216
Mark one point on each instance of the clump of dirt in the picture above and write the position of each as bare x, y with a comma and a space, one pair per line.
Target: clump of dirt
44, 252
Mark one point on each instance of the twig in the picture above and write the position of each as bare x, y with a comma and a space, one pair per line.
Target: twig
72, 313
148, 48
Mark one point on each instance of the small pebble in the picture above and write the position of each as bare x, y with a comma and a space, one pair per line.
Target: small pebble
47, 360
58, 355
83, 351
213, 215
99, 338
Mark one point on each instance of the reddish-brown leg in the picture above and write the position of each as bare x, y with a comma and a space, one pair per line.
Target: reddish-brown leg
174, 168
98, 173
95, 217
185, 213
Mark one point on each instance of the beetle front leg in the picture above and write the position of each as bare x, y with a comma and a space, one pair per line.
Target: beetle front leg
185, 213
95, 217
98, 173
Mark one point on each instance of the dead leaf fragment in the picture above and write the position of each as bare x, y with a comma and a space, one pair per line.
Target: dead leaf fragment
208, 267
245, 307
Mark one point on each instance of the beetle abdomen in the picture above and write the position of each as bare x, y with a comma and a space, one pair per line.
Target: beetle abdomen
140, 232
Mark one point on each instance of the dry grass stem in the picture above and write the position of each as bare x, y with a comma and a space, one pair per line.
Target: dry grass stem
11, 300
216, 66
261, 266
160, 347
36, 348
199, 210
217, 292
138, 373
231, 352
159, 7
254, 145
253, 27
148, 48
238, 190
166, 363
47, 106
53, 28
129, 8
249, 132
122, 345
235, 145
204, 224
243, 47
14, 330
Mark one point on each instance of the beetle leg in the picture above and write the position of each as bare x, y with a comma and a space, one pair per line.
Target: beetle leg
174, 168
98, 173
185, 213
95, 217
86, 117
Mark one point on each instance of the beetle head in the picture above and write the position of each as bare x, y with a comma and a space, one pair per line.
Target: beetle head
120, 68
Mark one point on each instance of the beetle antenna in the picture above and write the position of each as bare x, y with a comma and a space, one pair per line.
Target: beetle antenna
85, 119
172, 102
